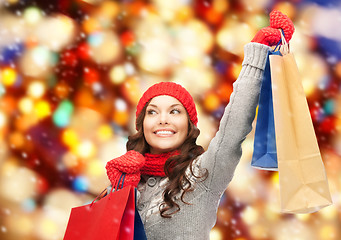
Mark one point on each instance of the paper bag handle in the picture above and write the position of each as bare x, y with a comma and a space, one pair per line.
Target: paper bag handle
284, 48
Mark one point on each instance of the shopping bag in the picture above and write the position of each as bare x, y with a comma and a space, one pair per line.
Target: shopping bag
112, 217
264, 149
302, 178
139, 232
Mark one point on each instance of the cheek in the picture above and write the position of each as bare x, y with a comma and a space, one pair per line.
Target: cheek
183, 126
147, 128
146, 124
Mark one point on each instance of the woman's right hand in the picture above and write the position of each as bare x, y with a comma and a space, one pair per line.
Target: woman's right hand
130, 163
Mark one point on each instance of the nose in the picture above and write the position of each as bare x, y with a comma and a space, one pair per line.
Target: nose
163, 118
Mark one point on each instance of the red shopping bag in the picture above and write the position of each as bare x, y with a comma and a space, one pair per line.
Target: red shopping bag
112, 217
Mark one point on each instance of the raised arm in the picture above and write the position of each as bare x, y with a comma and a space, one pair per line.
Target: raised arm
224, 151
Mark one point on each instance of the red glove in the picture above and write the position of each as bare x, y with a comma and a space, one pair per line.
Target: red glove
270, 35
280, 20
129, 163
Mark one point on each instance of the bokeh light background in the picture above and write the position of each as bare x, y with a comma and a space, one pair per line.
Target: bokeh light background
71, 73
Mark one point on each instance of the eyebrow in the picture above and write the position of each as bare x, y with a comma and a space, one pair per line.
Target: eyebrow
173, 105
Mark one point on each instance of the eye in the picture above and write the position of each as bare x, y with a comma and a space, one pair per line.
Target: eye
151, 112
175, 111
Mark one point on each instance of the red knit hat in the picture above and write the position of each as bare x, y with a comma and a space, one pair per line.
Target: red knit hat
171, 89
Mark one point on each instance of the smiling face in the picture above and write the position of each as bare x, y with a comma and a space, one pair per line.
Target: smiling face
165, 124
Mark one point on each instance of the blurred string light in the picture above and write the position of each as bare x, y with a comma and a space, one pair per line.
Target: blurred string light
62, 90
168, 10
328, 231
121, 114
36, 61
131, 89
12, 1
117, 74
70, 161
85, 149
216, 234
211, 101
63, 33
16, 140
46, 227
32, 15
36, 89
250, 215
61, 116
91, 75
104, 47
317, 70
70, 138
202, 78
3, 120
42, 109
8, 76
292, 229
2, 89
329, 213
9, 54
104, 132
80, 184
24, 220
156, 46
94, 169
18, 177
234, 35
29, 205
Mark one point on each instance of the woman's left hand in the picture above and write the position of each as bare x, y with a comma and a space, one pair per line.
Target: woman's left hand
270, 36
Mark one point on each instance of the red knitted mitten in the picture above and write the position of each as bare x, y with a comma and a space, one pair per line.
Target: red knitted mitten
280, 20
270, 35
129, 163
267, 36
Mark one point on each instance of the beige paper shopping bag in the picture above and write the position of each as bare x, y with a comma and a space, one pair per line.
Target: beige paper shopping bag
302, 178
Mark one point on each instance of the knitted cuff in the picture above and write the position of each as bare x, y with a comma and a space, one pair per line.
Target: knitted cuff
254, 60
255, 55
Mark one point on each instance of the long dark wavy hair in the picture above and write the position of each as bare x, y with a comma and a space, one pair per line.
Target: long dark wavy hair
175, 166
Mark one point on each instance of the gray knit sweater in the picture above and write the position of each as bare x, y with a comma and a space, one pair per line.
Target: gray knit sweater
221, 158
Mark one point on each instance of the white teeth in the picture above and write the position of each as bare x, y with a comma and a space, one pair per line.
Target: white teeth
164, 132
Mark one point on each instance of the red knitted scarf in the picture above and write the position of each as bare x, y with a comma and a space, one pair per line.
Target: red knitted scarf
155, 163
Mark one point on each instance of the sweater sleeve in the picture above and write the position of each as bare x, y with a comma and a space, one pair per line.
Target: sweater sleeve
224, 151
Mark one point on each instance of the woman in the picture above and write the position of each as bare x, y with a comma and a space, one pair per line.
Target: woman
179, 185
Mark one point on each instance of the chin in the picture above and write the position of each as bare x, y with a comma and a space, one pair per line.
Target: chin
163, 149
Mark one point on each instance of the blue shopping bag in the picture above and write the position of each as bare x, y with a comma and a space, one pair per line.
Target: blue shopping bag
264, 149
139, 233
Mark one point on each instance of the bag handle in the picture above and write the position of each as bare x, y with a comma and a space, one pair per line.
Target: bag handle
97, 197
284, 48
120, 181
